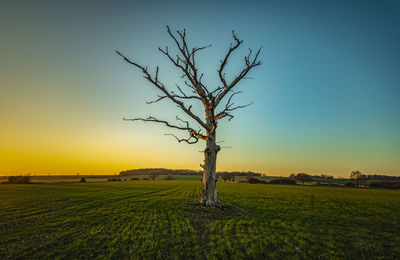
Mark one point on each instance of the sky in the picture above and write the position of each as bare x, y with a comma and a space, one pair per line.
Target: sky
326, 98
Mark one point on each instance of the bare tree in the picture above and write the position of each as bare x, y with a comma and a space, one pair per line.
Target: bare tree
154, 176
211, 99
228, 176
357, 176
303, 177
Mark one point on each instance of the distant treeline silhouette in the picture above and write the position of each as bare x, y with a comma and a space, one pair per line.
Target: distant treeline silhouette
18, 180
363, 176
163, 171
381, 177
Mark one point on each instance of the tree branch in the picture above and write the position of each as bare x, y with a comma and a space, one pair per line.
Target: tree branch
161, 87
184, 95
187, 140
249, 62
237, 43
193, 133
155, 101
229, 107
187, 62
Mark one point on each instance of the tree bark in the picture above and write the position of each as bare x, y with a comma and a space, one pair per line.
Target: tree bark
209, 194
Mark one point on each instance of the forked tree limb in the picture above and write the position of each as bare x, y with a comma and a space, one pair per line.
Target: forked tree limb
160, 86
250, 63
186, 62
229, 107
237, 43
184, 95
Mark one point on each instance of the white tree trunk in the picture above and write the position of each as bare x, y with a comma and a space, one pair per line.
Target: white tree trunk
209, 194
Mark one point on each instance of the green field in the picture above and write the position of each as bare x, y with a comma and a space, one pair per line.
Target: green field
150, 219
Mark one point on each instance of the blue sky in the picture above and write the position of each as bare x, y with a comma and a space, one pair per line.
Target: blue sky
326, 96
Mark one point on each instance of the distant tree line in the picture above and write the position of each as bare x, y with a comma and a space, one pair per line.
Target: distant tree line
320, 176
381, 177
160, 171
355, 176
18, 180
393, 185
357, 179
236, 173
252, 180
227, 176
163, 171
378, 181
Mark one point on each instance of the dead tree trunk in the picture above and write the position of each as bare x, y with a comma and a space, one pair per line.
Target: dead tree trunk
209, 194
209, 98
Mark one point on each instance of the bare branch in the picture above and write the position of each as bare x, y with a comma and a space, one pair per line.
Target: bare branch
187, 62
194, 50
187, 140
193, 133
183, 65
155, 101
131, 62
216, 92
184, 95
249, 62
227, 112
228, 104
161, 87
229, 107
242, 106
225, 60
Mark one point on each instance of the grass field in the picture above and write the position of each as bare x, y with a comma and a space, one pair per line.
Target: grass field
151, 219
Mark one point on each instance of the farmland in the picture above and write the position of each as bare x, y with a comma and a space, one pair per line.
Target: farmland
152, 219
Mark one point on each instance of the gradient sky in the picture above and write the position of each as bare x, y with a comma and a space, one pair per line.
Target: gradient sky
326, 97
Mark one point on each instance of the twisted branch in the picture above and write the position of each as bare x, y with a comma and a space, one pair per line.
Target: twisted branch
249, 62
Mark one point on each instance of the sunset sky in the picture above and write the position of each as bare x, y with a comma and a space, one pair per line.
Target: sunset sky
326, 98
